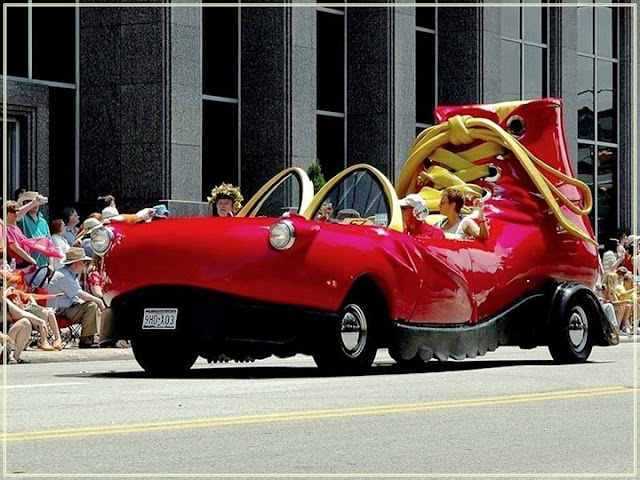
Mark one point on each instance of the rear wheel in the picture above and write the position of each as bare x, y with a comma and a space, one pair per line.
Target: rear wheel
571, 339
348, 345
163, 358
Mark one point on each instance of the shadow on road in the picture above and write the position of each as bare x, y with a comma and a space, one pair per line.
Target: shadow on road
233, 371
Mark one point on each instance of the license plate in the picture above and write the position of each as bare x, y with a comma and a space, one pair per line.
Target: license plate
159, 318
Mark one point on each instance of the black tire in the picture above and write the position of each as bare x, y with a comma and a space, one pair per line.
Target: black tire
348, 345
157, 360
572, 329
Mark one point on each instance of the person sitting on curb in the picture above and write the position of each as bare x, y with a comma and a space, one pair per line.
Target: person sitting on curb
76, 304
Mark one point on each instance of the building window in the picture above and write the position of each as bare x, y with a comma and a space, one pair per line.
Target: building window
598, 114
426, 63
524, 52
42, 48
220, 97
331, 96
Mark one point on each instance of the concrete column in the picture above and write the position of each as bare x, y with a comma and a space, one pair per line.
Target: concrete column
469, 55
140, 105
381, 112
278, 92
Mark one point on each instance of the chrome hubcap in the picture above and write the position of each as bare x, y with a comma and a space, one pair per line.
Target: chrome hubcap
578, 328
353, 330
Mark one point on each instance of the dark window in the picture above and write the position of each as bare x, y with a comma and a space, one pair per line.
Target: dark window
286, 197
62, 148
330, 60
607, 195
510, 22
524, 67
18, 41
607, 33
425, 77
220, 51
535, 72
426, 15
586, 98
607, 111
585, 29
219, 145
586, 173
330, 141
511, 78
53, 34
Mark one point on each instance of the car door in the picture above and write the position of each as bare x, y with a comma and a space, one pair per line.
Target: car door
290, 191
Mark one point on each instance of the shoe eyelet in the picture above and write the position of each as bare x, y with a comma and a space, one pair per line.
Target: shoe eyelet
515, 125
494, 174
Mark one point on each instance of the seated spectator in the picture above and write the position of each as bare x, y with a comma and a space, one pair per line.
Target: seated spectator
610, 259
59, 240
622, 307
71, 220
456, 225
84, 236
19, 332
77, 305
16, 240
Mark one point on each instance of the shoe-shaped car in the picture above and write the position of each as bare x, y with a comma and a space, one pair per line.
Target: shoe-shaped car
340, 275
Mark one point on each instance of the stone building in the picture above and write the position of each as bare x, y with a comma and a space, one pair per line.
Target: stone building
154, 103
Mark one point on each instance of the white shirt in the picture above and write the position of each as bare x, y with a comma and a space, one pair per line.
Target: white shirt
457, 229
62, 245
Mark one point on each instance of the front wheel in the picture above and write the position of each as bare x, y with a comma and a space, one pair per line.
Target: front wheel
570, 339
348, 345
163, 359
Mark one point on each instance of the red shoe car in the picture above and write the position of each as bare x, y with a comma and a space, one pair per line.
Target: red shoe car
347, 276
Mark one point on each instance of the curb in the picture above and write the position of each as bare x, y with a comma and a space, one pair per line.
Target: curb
72, 354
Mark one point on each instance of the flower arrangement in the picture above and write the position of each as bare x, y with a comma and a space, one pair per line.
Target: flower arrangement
227, 190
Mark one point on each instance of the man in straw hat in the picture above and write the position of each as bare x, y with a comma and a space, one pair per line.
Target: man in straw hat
76, 304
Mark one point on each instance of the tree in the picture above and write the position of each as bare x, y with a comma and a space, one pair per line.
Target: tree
315, 175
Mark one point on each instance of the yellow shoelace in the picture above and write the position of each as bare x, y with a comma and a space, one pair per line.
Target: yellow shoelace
461, 169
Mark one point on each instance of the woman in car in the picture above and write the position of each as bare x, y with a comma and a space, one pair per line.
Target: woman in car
457, 225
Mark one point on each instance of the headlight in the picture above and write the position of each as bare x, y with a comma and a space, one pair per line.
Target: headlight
101, 240
282, 235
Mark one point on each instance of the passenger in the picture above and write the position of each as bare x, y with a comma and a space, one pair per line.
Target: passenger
227, 199
414, 217
459, 226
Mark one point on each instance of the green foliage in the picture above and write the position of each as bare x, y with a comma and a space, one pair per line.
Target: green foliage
315, 175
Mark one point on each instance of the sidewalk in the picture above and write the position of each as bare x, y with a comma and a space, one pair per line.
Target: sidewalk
74, 354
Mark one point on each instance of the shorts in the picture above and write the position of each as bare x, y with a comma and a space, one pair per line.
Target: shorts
38, 311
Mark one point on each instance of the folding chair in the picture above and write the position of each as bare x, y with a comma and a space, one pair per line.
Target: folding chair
72, 330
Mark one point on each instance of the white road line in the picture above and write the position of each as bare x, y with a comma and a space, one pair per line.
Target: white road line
44, 385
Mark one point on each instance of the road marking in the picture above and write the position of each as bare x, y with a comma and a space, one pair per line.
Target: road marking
43, 385
310, 415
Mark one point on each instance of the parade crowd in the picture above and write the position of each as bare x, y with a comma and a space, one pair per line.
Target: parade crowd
53, 280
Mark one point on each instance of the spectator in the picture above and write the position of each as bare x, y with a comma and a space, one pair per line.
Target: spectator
84, 237
33, 224
610, 259
77, 305
19, 332
622, 307
59, 240
71, 220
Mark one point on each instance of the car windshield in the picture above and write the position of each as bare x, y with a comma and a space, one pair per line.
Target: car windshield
286, 197
357, 199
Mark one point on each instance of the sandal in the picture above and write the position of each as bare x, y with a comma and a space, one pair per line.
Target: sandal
12, 361
22, 360
57, 345
46, 346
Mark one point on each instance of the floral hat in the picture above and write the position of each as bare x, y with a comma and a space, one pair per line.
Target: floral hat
227, 190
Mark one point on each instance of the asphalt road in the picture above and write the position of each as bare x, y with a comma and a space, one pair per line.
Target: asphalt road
511, 413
